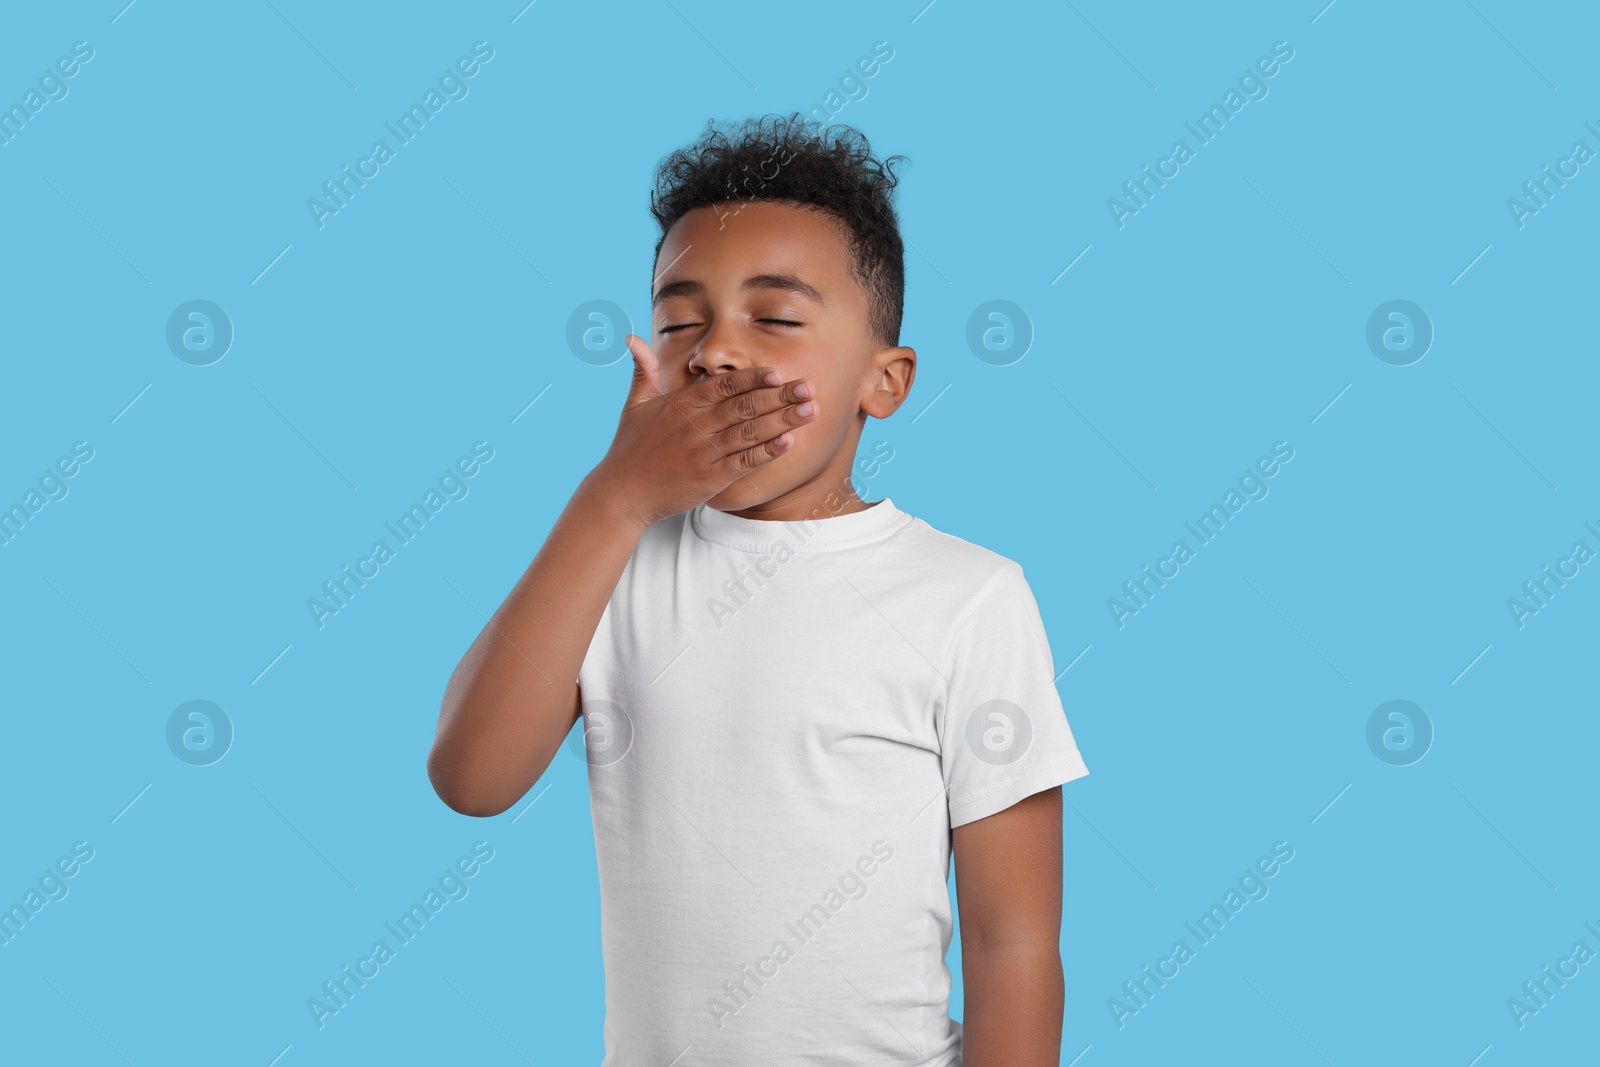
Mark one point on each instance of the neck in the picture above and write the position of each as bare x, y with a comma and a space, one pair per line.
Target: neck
829, 492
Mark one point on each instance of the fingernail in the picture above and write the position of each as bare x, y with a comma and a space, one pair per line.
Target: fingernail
807, 408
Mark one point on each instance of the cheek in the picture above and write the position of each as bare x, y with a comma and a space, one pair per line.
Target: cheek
820, 438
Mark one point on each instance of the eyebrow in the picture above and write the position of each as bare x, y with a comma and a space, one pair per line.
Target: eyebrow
783, 282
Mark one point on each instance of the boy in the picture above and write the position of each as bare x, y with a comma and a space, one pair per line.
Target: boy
796, 704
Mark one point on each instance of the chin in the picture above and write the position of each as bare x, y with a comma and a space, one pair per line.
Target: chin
751, 490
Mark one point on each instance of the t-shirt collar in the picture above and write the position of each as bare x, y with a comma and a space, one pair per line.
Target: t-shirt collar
823, 533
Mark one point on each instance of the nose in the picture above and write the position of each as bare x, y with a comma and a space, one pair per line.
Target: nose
719, 350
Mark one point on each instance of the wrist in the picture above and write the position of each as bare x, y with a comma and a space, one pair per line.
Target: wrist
608, 495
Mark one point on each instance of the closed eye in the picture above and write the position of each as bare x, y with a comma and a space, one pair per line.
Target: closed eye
687, 325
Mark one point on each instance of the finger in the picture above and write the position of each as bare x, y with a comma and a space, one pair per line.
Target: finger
748, 432
758, 402
722, 387
646, 384
747, 459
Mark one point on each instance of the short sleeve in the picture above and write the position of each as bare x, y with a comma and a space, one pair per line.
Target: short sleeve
1003, 731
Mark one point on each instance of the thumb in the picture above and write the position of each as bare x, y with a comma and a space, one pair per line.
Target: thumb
646, 384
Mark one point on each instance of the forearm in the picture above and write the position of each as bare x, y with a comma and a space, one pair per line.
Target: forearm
511, 699
1014, 997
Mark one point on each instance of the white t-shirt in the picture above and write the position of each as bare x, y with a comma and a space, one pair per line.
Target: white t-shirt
783, 722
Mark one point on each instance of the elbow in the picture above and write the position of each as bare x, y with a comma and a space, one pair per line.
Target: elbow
458, 798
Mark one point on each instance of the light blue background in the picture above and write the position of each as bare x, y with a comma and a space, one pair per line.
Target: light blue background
1226, 315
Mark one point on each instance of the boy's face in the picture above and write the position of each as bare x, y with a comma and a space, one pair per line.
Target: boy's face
768, 283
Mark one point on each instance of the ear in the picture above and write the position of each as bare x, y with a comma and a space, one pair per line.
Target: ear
889, 380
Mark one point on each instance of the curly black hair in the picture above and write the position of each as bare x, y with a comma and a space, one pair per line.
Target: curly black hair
831, 169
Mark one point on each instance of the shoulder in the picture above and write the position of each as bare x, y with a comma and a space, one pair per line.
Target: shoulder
955, 551
961, 573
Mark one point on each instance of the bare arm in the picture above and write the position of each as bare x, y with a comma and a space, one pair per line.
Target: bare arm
514, 695
1008, 887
